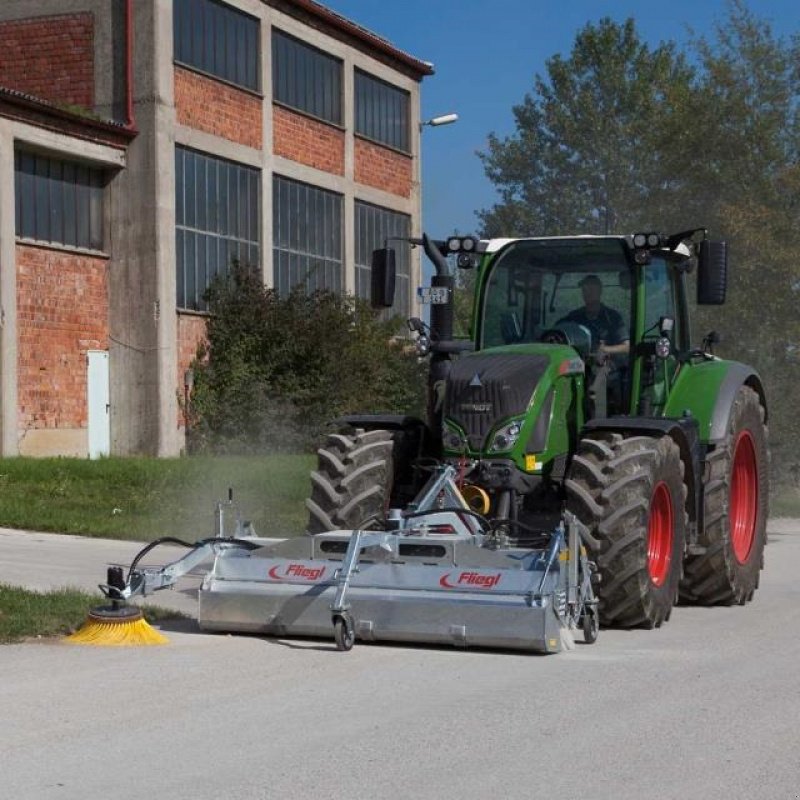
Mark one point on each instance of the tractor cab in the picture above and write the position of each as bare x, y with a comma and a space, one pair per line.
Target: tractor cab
610, 301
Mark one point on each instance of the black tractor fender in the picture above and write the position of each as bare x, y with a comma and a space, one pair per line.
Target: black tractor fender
738, 375
387, 422
685, 432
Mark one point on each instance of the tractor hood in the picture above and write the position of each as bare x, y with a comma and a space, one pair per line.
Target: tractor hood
491, 386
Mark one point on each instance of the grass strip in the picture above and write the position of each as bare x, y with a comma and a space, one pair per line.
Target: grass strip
25, 614
785, 502
143, 498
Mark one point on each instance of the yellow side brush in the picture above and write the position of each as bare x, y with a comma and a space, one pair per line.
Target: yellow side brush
116, 626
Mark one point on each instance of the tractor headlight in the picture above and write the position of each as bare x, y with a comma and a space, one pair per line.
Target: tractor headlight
506, 437
453, 440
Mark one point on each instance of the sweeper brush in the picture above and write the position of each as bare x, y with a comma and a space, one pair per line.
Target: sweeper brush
116, 626
437, 572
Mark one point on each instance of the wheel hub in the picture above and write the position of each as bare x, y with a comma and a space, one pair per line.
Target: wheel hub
744, 497
659, 535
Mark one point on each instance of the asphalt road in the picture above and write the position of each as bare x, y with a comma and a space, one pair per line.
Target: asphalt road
707, 707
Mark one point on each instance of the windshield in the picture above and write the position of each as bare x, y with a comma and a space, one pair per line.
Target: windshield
536, 285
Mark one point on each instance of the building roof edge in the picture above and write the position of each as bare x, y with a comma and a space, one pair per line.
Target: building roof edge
83, 123
362, 34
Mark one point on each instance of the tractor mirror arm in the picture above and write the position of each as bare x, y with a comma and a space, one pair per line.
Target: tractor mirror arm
676, 238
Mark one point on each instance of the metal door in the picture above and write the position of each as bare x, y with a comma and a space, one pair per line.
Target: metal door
99, 418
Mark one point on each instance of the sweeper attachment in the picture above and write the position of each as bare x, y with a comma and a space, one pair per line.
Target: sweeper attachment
437, 573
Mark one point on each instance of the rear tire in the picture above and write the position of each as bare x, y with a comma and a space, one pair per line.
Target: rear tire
631, 495
351, 486
735, 511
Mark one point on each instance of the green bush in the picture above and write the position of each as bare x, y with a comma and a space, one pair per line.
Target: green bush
277, 369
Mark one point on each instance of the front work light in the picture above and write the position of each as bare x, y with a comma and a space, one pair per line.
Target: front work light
459, 244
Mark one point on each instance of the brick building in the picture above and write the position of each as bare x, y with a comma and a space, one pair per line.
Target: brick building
145, 145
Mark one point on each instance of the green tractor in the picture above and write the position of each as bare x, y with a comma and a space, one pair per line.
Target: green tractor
579, 391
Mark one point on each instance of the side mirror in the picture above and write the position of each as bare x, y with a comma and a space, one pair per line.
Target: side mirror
384, 270
712, 273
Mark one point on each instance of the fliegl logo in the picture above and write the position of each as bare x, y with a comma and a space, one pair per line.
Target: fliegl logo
297, 571
471, 580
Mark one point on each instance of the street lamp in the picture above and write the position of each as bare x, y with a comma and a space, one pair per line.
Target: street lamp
434, 122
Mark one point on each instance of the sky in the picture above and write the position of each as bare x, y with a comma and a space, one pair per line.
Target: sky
486, 55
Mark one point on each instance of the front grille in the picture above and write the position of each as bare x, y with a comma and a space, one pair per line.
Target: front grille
483, 390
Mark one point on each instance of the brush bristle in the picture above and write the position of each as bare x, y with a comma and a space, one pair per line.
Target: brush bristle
129, 633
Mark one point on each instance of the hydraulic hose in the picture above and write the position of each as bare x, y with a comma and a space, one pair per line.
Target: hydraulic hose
190, 545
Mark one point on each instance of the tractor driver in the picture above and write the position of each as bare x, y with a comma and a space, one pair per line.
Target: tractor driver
606, 325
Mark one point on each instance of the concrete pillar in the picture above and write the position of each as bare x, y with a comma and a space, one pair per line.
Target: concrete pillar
8, 296
144, 374
266, 155
417, 227
348, 110
170, 440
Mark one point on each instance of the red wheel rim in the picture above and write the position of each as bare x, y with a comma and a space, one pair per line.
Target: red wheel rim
744, 497
659, 535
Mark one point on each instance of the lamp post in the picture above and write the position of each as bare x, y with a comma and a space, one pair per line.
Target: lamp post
433, 122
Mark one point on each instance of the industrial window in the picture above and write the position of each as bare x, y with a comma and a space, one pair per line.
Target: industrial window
58, 201
217, 39
307, 237
382, 111
374, 225
217, 216
306, 78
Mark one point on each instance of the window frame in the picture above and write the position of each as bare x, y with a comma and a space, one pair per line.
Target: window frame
287, 238
222, 66
405, 145
79, 190
322, 56
216, 229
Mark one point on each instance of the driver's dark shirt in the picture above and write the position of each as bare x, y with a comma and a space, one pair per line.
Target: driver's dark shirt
607, 326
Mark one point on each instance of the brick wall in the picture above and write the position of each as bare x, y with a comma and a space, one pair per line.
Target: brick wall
217, 108
308, 141
382, 168
50, 57
191, 333
62, 311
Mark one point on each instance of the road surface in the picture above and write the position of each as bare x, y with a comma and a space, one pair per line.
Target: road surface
707, 707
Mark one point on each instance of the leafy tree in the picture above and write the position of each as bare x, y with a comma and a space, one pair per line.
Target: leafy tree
277, 369
618, 136
585, 154
744, 179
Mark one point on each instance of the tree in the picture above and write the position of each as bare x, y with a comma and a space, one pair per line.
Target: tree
744, 152
585, 156
619, 137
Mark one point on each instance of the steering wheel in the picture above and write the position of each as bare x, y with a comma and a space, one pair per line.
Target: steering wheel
554, 336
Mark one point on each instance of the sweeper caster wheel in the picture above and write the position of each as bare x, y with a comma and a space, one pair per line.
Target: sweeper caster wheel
590, 625
343, 633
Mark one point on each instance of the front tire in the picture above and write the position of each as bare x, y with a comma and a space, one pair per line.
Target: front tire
735, 511
631, 495
351, 487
